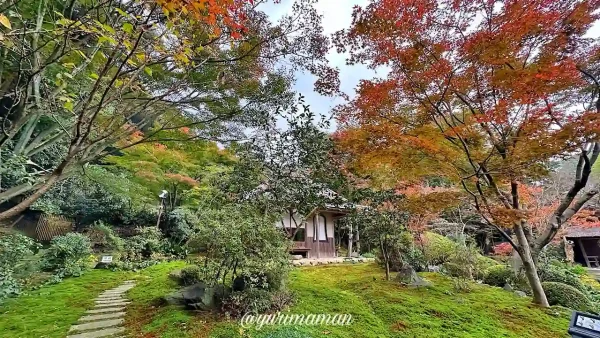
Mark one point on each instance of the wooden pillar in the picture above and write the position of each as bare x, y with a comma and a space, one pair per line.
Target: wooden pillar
350, 241
587, 261
318, 234
357, 240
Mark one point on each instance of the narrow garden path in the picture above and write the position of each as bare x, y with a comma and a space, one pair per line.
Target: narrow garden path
106, 319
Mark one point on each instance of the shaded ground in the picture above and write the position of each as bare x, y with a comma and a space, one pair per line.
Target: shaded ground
379, 308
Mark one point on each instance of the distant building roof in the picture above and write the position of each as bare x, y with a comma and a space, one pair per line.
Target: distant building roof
577, 232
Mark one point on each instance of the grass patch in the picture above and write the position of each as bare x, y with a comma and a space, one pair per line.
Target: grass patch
146, 314
49, 311
379, 308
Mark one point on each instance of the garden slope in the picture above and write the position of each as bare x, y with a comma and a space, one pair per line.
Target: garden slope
379, 308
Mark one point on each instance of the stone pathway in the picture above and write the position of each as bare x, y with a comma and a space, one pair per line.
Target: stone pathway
106, 319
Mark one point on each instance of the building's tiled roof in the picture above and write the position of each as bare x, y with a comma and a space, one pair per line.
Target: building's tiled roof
578, 232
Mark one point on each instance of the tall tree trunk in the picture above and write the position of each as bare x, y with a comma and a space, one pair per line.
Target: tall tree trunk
539, 297
385, 259
44, 187
26, 203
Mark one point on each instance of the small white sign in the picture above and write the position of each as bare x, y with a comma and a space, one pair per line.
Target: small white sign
106, 259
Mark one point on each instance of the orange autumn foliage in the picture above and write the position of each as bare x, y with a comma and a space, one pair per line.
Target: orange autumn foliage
480, 93
179, 178
214, 14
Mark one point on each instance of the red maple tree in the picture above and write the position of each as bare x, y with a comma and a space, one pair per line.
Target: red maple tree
484, 93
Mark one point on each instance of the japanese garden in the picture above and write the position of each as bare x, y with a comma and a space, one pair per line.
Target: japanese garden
299, 168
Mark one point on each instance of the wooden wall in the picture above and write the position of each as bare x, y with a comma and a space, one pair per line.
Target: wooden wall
326, 249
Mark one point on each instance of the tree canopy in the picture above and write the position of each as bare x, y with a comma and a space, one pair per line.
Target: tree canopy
484, 94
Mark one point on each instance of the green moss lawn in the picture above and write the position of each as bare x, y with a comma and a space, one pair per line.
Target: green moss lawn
379, 308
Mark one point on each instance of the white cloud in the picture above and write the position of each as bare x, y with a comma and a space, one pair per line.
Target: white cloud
337, 15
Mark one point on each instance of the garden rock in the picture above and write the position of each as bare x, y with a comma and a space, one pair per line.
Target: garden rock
507, 287
408, 276
520, 294
198, 296
296, 257
175, 275
433, 268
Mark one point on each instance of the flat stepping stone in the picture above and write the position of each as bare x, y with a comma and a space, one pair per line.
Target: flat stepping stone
110, 295
113, 304
103, 324
110, 301
102, 316
106, 310
100, 333
113, 293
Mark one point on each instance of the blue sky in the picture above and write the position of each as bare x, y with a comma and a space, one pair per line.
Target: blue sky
337, 15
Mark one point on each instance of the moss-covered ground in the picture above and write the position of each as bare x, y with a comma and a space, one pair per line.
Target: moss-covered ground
379, 308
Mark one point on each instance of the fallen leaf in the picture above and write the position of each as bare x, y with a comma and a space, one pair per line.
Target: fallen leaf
4, 21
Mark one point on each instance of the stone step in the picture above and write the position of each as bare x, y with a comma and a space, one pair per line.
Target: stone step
110, 301
106, 310
103, 324
115, 291
121, 288
100, 333
102, 316
110, 295
105, 299
113, 304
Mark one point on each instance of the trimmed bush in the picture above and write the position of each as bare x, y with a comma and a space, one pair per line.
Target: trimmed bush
143, 246
482, 264
270, 280
555, 274
437, 249
103, 237
190, 275
255, 301
250, 301
567, 296
275, 280
498, 275
68, 255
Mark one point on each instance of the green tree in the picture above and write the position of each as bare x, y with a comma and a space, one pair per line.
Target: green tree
288, 170
87, 78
